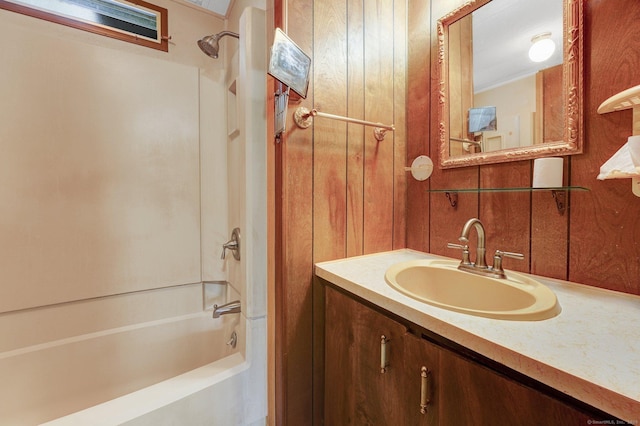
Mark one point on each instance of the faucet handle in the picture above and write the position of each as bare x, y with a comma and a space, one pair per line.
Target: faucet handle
497, 258
465, 252
233, 244
509, 254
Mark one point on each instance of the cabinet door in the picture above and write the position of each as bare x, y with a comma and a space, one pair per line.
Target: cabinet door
357, 392
420, 354
471, 394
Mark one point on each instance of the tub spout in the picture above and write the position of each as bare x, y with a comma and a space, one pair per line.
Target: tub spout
228, 308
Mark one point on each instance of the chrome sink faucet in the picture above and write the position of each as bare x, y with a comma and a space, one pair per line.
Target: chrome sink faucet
481, 261
480, 267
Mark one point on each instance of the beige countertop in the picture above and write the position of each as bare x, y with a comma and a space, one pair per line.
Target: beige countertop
590, 351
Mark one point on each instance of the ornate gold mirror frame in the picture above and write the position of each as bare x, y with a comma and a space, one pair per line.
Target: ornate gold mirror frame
572, 88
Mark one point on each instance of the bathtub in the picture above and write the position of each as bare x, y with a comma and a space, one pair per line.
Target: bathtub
100, 362
204, 396
218, 393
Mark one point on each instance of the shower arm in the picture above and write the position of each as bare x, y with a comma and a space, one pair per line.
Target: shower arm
304, 117
227, 33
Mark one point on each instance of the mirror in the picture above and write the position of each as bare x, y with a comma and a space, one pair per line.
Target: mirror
495, 103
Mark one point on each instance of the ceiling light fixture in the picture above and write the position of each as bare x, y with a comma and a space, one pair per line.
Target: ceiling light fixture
542, 48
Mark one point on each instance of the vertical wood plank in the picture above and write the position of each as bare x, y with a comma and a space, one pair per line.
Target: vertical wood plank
506, 215
446, 220
330, 81
356, 133
330, 136
399, 136
418, 123
456, 105
297, 244
549, 233
378, 177
538, 117
552, 106
460, 81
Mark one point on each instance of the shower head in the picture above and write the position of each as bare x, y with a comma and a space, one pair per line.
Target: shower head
209, 44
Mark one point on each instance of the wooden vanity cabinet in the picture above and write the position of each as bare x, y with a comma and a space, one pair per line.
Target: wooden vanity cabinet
462, 391
357, 391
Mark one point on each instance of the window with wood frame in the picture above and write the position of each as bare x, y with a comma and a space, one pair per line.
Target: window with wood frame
136, 21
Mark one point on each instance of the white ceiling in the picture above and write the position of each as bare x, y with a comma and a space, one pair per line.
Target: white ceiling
218, 6
502, 32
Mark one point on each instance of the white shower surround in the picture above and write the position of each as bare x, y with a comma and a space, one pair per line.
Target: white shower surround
231, 390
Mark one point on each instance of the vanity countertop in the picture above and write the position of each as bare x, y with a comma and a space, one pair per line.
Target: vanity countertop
590, 351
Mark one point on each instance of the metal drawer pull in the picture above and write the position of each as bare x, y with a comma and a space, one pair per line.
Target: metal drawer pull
383, 354
424, 390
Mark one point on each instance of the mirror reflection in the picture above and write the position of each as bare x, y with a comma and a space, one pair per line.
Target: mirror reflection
504, 93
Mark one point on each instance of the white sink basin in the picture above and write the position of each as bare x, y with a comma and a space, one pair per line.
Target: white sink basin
439, 283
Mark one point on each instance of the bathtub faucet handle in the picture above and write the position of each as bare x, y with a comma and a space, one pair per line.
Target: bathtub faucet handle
233, 340
233, 244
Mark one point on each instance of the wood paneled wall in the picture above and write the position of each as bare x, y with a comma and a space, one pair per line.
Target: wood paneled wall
597, 241
340, 193
604, 230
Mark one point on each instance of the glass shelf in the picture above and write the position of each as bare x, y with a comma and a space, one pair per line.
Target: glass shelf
523, 189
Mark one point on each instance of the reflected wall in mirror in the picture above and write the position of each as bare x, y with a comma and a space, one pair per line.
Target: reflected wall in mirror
495, 103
